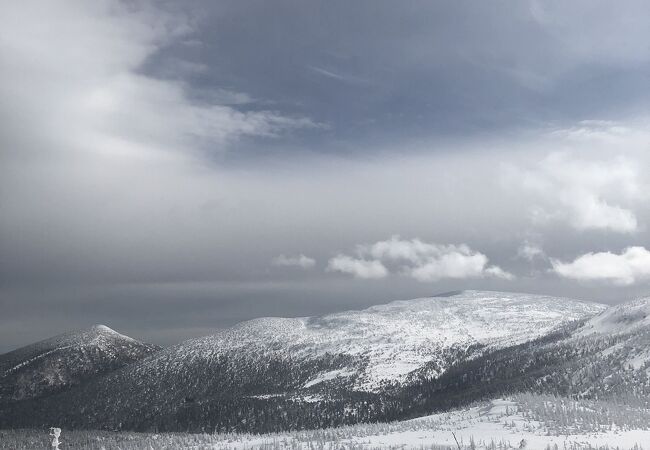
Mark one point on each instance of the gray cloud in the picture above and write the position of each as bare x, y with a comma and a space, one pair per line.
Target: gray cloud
388, 70
302, 261
158, 159
530, 251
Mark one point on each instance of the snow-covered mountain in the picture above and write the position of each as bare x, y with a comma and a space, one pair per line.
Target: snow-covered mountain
386, 343
66, 360
268, 374
388, 362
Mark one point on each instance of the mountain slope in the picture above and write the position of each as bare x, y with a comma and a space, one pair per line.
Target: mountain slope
271, 371
620, 360
398, 338
66, 360
606, 358
623, 318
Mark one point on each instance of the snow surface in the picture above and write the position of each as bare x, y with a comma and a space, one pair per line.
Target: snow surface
326, 376
400, 337
623, 318
502, 422
104, 330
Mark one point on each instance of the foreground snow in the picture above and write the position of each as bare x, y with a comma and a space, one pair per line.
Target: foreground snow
524, 421
496, 424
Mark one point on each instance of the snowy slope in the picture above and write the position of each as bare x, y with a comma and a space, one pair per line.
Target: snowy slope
624, 318
623, 332
606, 358
398, 338
65, 360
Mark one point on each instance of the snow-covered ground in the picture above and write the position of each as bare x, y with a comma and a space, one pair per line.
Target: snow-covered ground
524, 421
496, 424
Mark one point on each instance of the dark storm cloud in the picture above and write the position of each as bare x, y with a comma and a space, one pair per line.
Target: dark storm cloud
158, 161
387, 69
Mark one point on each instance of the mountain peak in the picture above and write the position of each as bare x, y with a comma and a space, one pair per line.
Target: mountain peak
103, 330
61, 361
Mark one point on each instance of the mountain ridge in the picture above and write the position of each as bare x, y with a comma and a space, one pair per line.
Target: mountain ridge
337, 368
427, 325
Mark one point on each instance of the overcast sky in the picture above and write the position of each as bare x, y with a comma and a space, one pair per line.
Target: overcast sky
169, 169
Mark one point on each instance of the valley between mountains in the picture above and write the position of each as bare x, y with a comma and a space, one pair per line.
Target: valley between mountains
392, 362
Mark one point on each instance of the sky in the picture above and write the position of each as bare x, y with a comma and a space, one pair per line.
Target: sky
172, 168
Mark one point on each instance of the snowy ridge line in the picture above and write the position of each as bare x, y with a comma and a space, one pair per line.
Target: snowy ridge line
29, 361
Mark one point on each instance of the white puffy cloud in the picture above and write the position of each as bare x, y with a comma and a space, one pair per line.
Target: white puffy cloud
420, 260
588, 193
359, 268
631, 266
301, 260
